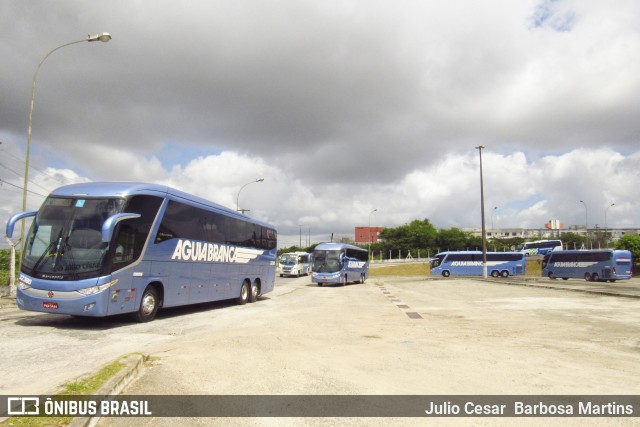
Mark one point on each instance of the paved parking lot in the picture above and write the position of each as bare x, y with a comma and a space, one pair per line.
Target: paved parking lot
388, 336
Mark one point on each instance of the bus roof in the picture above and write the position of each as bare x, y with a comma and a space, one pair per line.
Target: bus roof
475, 252
587, 251
335, 246
124, 189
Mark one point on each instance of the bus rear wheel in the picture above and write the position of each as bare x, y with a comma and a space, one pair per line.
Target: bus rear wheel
587, 277
495, 273
148, 306
255, 291
244, 293
504, 273
595, 277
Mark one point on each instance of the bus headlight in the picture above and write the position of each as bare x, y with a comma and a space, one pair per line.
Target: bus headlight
95, 289
22, 286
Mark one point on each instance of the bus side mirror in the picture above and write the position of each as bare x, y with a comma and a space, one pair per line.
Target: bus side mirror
14, 219
111, 222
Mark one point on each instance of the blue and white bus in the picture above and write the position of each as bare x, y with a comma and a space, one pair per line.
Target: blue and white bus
469, 263
100, 249
591, 265
339, 263
295, 264
540, 247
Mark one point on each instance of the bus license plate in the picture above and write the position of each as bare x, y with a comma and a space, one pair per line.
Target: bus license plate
50, 305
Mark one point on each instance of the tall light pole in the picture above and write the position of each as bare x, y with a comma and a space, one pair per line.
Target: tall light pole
238, 196
484, 230
369, 228
586, 220
605, 221
103, 37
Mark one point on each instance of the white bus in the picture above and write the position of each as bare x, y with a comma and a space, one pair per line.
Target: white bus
540, 247
295, 264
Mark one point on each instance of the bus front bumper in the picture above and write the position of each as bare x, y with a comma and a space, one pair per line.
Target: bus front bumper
62, 302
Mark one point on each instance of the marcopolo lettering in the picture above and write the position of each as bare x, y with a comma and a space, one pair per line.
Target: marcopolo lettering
188, 250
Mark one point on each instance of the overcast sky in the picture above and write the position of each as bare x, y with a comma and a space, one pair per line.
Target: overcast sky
342, 107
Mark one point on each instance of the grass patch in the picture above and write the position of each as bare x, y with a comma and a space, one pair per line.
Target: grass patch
421, 269
83, 387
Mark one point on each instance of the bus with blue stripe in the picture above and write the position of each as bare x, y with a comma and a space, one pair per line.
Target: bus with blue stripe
339, 263
591, 265
101, 249
470, 263
540, 247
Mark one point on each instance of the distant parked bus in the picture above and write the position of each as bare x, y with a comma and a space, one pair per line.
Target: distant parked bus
295, 264
339, 263
592, 265
100, 249
540, 247
469, 263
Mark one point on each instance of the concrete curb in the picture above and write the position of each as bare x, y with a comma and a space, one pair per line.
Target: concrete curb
133, 366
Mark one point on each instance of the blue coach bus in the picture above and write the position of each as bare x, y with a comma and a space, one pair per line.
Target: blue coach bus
469, 263
339, 263
591, 265
100, 249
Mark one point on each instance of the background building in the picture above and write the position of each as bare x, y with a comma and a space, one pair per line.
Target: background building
367, 234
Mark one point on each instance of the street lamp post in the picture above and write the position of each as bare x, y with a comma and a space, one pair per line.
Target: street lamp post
586, 220
484, 231
238, 196
605, 222
369, 229
103, 37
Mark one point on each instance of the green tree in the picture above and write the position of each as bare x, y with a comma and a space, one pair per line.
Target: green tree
630, 243
453, 239
572, 240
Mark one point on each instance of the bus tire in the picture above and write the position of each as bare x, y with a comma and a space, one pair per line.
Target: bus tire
565, 278
495, 273
255, 291
244, 293
446, 273
595, 277
344, 281
504, 273
148, 305
587, 277
362, 278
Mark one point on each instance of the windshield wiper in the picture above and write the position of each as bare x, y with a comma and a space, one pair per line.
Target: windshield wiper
46, 253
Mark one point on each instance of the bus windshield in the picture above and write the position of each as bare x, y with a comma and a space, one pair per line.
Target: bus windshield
65, 238
326, 261
289, 259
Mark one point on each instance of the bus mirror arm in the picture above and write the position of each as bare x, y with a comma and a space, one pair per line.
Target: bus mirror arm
111, 222
14, 219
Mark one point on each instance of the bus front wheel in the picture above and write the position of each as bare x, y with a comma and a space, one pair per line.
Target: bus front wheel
445, 273
148, 306
344, 280
244, 293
